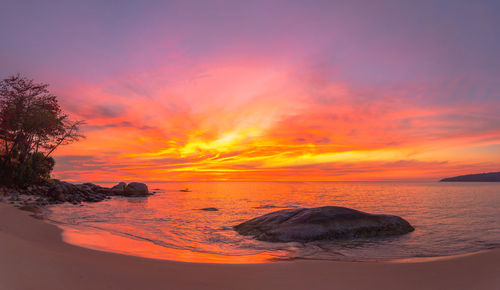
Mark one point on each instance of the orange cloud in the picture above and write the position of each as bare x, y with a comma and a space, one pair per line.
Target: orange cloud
247, 120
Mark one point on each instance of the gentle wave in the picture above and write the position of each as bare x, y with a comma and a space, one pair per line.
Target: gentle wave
449, 219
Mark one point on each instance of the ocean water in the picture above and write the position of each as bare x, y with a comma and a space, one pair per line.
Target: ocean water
449, 219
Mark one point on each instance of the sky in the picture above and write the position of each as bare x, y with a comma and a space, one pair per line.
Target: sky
266, 90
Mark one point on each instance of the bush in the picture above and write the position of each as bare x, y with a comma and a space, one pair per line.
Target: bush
34, 170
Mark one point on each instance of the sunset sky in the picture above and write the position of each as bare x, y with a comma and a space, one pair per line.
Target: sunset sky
266, 90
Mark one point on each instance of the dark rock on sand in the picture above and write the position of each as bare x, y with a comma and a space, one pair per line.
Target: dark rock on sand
210, 209
14, 197
322, 223
136, 189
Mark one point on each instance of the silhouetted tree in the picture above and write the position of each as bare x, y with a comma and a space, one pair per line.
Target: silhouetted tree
32, 126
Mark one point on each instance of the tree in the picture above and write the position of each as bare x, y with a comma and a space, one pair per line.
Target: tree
32, 126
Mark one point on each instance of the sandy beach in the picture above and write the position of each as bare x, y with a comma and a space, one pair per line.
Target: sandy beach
33, 256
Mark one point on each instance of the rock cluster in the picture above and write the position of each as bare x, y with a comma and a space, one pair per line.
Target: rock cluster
76, 193
60, 191
322, 223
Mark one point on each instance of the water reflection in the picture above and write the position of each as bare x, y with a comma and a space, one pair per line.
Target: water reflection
449, 219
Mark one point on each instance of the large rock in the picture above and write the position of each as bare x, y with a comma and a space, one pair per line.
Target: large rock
136, 189
322, 223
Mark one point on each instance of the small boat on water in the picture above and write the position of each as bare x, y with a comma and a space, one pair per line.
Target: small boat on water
185, 190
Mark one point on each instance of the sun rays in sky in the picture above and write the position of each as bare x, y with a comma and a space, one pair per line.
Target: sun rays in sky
212, 90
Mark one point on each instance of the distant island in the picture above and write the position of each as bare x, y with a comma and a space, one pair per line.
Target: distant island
482, 177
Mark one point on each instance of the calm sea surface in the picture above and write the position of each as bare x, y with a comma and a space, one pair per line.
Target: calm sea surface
449, 219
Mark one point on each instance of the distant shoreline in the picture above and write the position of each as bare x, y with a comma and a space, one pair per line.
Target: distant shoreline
481, 177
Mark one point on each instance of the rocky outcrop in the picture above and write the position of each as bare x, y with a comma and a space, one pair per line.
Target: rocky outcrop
76, 193
136, 189
57, 192
322, 223
60, 191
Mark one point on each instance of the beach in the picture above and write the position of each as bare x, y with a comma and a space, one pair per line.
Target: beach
250, 145
34, 256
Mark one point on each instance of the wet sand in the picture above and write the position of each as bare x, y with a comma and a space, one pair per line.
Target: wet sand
34, 256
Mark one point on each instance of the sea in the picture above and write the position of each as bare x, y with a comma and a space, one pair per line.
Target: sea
449, 219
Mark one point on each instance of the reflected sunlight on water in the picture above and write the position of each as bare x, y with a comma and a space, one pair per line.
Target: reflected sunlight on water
449, 218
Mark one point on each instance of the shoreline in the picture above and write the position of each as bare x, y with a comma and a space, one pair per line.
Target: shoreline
33, 255
196, 257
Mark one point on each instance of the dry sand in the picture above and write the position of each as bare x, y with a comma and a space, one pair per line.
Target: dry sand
33, 256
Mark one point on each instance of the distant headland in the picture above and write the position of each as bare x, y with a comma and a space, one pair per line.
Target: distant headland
481, 177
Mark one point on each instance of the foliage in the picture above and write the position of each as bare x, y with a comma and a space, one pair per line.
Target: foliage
35, 169
32, 126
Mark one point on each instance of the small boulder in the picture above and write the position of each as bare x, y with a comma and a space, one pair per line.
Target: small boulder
322, 223
119, 188
136, 189
210, 209
14, 197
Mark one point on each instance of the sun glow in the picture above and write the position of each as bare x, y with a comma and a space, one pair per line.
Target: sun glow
263, 105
